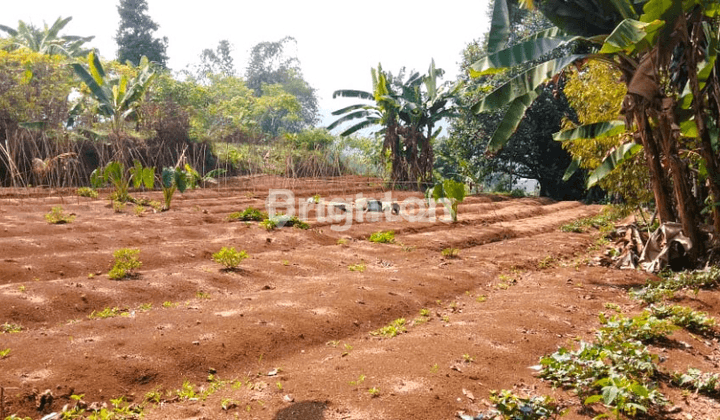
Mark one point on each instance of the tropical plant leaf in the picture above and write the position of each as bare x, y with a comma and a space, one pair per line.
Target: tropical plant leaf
528, 49
499, 26
510, 122
571, 169
592, 131
349, 93
612, 161
632, 36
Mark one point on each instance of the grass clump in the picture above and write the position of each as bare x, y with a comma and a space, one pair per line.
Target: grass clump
87, 192
57, 216
605, 221
383, 237
250, 214
229, 257
396, 327
126, 262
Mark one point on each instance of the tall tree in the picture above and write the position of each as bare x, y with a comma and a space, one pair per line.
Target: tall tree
134, 36
48, 40
667, 54
270, 64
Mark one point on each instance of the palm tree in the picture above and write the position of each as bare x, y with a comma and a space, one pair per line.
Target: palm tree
667, 53
47, 41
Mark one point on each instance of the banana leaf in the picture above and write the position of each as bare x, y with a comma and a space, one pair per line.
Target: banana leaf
591, 131
612, 161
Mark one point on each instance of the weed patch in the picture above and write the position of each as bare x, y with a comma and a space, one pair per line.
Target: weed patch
396, 327
57, 216
383, 237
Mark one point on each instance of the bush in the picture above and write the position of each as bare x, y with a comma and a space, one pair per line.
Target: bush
125, 262
229, 257
58, 217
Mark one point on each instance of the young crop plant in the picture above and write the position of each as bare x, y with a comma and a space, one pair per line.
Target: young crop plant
8, 328
142, 176
685, 317
126, 261
229, 257
87, 192
450, 252
396, 327
282, 221
450, 192
383, 237
172, 179
250, 214
58, 217
511, 406
698, 381
108, 313
359, 267
644, 327
4, 353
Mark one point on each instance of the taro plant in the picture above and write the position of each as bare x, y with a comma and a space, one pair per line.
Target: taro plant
113, 173
126, 262
229, 257
172, 179
450, 192
57, 216
142, 176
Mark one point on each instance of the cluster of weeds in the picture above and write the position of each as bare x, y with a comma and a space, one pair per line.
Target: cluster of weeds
685, 317
450, 252
513, 407
250, 214
57, 216
394, 328
383, 237
229, 257
698, 381
10, 328
644, 327
655, 291
282, 221
604, 222
87, 192
616, 369
359, 267
126, 262
108, 313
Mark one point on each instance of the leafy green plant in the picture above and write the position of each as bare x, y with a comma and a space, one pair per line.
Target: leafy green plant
249, 214
359, 267
113, 173
685, 317
396, 327
142, 176
697, 380
644, 327
87, 192
57, 216
359, 380
513, 407
383, 237
374, 392
4, 353
450, 192
624, 395
10, 328
168, 304
229, 257
126, 262
108, 313
450, 252
172, 179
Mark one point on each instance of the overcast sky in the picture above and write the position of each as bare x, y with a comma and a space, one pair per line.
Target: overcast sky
338, 42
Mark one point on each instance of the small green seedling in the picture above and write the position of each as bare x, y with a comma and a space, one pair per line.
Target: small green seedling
4, 353
396, 327
58, 217
126, 262
359, 267
374, 392
451, 192
383, 237
168, 304
360, 380
229, 257
450, 252
250, 214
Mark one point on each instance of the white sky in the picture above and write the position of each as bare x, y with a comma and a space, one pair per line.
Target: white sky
338, 41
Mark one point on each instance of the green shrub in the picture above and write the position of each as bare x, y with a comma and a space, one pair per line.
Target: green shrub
58, 217
282, 221
229, 257
126, 262
87, 192
383, 237
249, 214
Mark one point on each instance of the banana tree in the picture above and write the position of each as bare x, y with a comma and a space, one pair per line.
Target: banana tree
47, 41
118, 98
667, 53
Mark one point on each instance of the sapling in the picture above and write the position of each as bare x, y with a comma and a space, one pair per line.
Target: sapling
229, 257
451, 192
172, 179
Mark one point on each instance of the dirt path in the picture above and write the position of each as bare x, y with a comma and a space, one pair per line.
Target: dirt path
295, 310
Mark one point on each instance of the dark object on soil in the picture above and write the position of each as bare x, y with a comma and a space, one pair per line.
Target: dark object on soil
304, 410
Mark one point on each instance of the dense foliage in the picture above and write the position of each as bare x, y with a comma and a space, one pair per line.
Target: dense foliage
135, 35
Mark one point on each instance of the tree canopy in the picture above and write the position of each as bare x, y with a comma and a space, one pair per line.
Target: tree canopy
134, 36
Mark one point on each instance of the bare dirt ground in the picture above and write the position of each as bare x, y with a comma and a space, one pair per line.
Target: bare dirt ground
289, 333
